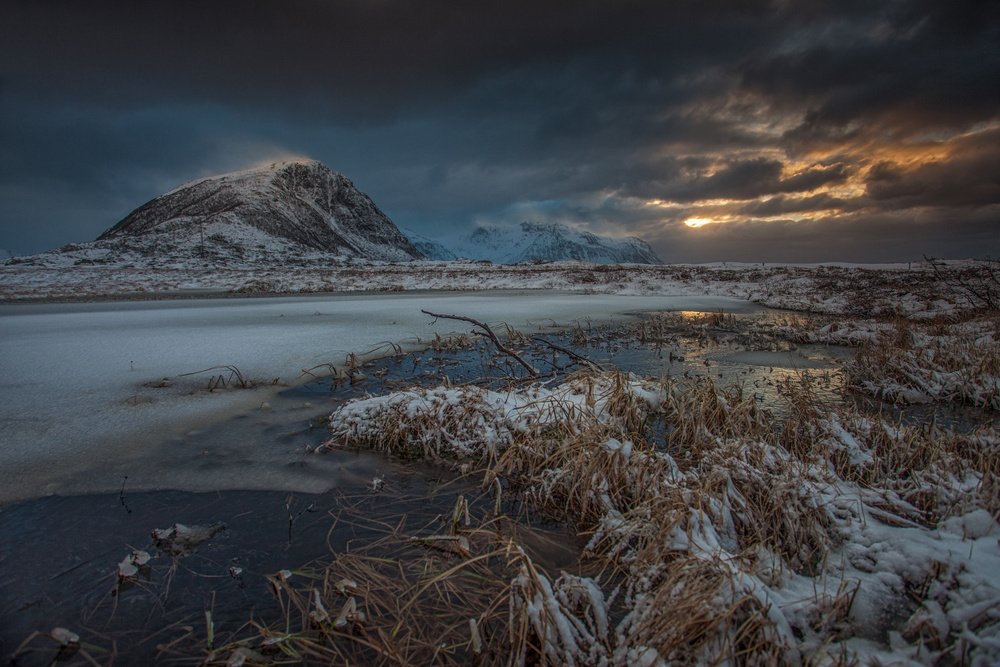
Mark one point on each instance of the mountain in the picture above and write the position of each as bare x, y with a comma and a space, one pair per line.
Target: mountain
297, 207
428, 247
542, 241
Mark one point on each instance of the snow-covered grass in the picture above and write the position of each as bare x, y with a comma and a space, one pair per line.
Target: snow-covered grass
907, 361
832, 538
817, 288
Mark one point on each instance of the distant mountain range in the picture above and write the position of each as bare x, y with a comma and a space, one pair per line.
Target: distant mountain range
301, 211
534, 241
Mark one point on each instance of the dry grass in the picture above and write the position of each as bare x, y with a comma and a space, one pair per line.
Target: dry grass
906, 361
691, 605
697, 506
400, 600
456, 590
727, 498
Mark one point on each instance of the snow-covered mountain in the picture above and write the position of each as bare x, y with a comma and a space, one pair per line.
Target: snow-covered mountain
539, 241
430, 248
291, 212
297, 207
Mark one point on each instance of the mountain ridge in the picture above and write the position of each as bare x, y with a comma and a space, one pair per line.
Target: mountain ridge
537, 241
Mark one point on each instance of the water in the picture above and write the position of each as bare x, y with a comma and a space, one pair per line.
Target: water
81, 385
60, 557
743, 351
59, 554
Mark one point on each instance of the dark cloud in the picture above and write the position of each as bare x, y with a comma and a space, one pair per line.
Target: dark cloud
353, 53
782, 205
970, 177
627, 116
738, 179
901, 69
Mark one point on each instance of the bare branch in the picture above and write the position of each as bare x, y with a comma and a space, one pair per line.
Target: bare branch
978, 283
569, 353
486, 331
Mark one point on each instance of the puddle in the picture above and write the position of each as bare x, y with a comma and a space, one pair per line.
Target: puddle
797, 359
732, 350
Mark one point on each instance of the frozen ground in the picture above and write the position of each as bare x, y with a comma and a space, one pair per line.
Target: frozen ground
78, 410
831, 288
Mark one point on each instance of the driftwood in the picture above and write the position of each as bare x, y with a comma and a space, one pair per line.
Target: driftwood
486, 331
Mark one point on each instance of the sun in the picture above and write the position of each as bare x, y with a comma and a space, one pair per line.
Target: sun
697, 222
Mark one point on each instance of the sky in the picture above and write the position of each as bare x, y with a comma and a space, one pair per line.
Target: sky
780, 131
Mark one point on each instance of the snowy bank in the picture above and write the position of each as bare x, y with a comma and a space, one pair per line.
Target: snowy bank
831, 539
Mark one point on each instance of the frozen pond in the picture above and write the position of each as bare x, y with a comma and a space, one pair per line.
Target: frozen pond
83, 401
217, 461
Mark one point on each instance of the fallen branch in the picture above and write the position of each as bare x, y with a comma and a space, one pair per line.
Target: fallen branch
569, 353
486, 331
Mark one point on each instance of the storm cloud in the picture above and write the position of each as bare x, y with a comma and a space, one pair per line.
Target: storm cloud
808, 131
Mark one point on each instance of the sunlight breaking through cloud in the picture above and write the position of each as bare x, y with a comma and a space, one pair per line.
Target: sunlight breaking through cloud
698, 222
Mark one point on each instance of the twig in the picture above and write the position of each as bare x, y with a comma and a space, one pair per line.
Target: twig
489, 334
293, 519
121, 497
233, 372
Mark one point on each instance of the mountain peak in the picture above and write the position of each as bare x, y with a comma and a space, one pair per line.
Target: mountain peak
284, 165
299, 202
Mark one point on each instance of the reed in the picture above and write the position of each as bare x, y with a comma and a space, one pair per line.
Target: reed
694, 502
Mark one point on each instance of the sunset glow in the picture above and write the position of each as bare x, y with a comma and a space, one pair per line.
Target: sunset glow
756, 122
697, 222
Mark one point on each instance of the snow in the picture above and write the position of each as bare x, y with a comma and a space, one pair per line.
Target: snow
76, 415
531, 241
430, 248
89, 270
283, 210
841, 570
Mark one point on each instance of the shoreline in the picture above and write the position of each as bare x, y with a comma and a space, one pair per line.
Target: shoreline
197, 295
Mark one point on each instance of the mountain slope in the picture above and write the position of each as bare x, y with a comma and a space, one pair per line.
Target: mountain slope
549, 241
430, 248
282, 207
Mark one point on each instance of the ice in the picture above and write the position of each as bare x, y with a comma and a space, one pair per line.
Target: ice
75, 412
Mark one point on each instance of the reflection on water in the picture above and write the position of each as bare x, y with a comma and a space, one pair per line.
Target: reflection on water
739, 350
